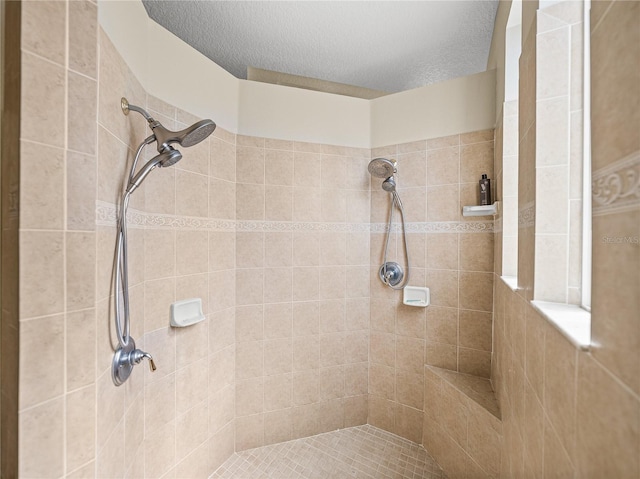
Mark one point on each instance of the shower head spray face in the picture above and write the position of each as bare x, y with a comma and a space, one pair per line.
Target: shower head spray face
197, 132
167, 158
190, 136
389, 184
382, 167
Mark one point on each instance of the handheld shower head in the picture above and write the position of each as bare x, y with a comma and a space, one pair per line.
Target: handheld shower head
389, 184
382, 167
167, 158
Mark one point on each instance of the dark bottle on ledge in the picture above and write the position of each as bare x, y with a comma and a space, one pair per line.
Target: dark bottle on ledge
485, 191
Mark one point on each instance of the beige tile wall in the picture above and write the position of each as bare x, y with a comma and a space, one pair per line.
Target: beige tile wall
73, 421
564, 413
616, 147
462, 424
526, 164
284, 351
568, 412
57, 370
302, 289
506, 247
559, 152
436, 177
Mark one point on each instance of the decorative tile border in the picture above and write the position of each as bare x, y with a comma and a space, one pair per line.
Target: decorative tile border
437, 227
106, 216
616, 187
527, 215
284, 226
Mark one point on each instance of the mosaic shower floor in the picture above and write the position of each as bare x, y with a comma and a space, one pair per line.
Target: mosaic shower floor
357, 452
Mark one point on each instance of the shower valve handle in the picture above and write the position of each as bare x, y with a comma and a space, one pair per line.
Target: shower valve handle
125, 358
138, 355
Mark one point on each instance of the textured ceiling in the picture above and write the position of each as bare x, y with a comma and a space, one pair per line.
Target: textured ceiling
390, 46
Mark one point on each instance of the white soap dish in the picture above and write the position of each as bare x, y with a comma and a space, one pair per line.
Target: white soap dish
186, 312
484, 210
416, 296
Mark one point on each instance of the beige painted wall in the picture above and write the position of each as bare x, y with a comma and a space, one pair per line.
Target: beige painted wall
149, 50
456, 106
250, 108
276, 111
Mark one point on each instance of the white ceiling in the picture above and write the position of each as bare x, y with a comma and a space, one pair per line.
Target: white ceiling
383, 45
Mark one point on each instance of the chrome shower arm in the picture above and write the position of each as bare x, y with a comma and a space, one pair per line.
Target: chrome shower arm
126, 108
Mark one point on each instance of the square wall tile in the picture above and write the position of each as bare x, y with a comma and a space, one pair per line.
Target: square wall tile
476, 291
42, 440
47, 42
42, 190
41, 273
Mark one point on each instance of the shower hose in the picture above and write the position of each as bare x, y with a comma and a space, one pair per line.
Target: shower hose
395, 202
121, 296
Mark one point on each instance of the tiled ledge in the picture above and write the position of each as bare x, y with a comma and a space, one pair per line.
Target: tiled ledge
475, 388
462, 426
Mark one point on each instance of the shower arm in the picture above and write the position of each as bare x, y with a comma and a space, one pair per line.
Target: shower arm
127, 107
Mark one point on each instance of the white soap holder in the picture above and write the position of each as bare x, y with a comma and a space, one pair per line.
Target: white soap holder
416, 296
186, 312
484, 210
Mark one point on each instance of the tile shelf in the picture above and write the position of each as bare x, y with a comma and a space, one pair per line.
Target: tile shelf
484, 210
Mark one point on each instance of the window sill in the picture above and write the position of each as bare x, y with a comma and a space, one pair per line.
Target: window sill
511, 281
572, 321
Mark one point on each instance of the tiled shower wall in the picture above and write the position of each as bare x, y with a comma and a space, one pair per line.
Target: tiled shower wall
567, 411
302, 289
273, 235
450, 254
57, 368
73, 421
174, 254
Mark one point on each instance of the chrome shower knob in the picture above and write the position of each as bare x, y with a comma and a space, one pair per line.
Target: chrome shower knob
125, 358
391, 273
137, 355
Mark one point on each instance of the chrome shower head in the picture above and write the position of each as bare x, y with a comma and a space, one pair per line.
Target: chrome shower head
382, 167
190, 136
166, 158
389, 184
